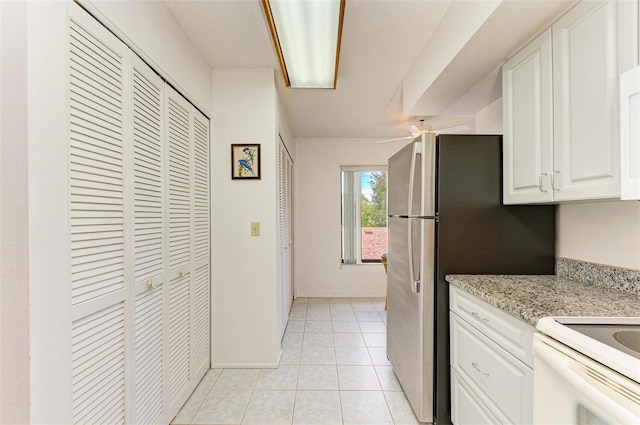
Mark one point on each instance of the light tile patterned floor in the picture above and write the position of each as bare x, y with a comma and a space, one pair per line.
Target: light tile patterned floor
333, 371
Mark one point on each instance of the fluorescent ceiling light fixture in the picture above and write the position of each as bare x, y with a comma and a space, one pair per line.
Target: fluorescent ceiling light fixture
307, 35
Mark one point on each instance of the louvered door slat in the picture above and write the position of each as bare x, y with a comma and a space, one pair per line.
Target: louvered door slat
84, 81
83, 159
96, 198
87, 108
105, 73
97, 359
147, 172
201, 189
179, 184
201, 318
179, 325
87, 171
148, 357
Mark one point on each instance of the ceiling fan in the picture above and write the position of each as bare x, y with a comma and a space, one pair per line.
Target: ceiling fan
423, 128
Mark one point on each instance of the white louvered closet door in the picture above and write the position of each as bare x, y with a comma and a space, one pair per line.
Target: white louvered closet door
178, 232
200, 294
285, 234
98, 90
187, 204
139, 234
148, 237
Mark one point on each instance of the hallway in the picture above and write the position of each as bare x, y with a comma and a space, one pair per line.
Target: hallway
333, 370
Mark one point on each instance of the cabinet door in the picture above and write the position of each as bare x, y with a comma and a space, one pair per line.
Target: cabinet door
630, 134
466, 409
592, 45
528, 124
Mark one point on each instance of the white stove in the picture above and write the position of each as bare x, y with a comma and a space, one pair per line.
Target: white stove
587, 370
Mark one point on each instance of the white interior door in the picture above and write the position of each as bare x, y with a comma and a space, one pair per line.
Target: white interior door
147, 173
187, 180
100, 269
178, 160
201, 284
285, 234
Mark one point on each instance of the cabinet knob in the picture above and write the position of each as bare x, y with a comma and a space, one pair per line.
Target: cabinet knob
151, 284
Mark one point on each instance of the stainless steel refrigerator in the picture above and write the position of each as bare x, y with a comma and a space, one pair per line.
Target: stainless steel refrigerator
446, 217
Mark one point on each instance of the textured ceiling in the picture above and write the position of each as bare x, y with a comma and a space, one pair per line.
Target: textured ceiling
381, 41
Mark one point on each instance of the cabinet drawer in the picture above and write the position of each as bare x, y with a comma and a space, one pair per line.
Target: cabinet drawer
510, 333
465, 406
492, 372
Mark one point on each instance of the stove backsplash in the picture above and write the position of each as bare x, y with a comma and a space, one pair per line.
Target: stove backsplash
626, 280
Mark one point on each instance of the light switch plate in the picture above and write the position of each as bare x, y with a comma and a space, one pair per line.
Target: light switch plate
255, 228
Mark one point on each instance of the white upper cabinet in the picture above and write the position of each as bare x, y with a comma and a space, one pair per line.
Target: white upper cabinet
630, 134
528, 123
591, 45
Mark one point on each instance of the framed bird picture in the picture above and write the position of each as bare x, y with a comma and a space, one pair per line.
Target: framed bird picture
245, 161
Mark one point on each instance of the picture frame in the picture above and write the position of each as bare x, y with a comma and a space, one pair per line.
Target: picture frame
245, 161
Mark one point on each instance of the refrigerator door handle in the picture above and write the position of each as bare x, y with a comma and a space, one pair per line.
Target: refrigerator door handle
415, 283
417, 152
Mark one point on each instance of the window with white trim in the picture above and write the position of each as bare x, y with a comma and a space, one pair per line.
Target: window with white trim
364, 213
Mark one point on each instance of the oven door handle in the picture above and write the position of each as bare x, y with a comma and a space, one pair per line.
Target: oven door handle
571, 366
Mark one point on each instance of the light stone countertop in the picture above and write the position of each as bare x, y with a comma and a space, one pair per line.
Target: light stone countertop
531, 297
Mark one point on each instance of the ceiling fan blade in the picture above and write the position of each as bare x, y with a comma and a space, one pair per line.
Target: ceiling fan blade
455, 129
395, 140
415, 131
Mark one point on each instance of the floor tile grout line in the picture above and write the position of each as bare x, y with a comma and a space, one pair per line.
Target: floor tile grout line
299, 364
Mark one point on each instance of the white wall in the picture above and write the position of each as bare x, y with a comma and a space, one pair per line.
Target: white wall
14, 231
489, 120
460, 22
149, 28
318, 268
600, 232
49, 268
284, 128
244, 295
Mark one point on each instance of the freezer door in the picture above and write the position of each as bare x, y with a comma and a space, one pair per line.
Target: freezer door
411, 179
399, 179
410, 312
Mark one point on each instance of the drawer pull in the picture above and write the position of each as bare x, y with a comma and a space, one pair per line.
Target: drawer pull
477, 368
477, 316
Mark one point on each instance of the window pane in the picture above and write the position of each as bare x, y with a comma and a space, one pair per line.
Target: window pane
373, 215
349, 218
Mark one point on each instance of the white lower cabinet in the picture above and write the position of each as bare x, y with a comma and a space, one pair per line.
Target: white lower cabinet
492, 377
468, 409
